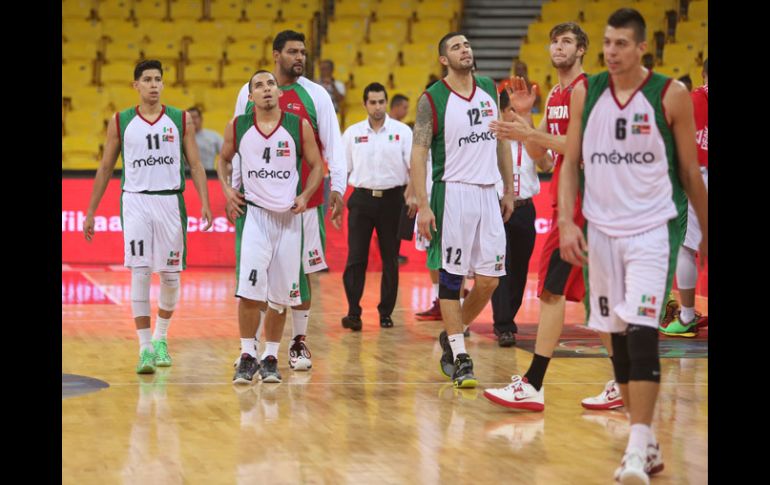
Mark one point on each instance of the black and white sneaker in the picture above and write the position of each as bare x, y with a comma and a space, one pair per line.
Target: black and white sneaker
447, 357
463, 375
247, 367
268, 369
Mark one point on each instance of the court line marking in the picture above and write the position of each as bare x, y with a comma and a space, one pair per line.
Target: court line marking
348, 383
101, 288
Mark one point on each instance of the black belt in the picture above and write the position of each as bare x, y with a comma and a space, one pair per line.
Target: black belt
378, 193
521, 202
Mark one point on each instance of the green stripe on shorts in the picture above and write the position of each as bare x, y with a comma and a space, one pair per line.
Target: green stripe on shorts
239, 223
437, 198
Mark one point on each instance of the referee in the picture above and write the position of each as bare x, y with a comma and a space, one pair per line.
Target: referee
377, 151
519, 236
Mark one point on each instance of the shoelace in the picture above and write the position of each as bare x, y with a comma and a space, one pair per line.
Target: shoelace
516, 385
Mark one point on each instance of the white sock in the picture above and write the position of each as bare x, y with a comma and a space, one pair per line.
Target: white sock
457, 341
261, 324
299, 320
248, 346
434, 295
466, 327
145, 339
161, 328
640, 436
686, 314
271, 348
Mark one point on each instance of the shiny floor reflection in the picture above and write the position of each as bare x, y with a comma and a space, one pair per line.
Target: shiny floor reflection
374, 409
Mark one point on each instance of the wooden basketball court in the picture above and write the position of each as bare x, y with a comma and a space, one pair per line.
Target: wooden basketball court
374, 408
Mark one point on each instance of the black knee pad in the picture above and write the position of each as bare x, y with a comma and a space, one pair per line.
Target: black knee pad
643, 351
621, 362
449, 285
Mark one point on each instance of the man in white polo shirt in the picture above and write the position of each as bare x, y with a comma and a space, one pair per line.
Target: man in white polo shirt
519, 235
377, 152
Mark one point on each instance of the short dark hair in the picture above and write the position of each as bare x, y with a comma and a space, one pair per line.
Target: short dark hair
377, 88
563, 28
284, 36
628, 18
261, 71
443, 41
706, 66
196, 109
505, 100
398, 99
146, 65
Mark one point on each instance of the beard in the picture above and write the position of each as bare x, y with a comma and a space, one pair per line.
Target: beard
459, 66
566, 63
292, 71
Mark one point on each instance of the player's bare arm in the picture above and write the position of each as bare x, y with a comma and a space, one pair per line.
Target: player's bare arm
103, 174
313, 158
571, 240
679, 114
234, 199
505, 165
197, 172
545, 163
422, 136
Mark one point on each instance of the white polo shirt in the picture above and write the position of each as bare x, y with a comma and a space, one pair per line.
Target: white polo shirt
525, 181
380, 160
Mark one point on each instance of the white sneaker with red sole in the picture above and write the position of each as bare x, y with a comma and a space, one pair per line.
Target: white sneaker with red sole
519, 394
609, 398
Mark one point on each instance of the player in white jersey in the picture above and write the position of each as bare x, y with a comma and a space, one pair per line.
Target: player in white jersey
633, 129
154, 140
312, 102
463, 219
271, 145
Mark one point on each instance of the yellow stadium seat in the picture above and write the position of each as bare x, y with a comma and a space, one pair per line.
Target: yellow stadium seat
150, 9
155, 30
217, 120
601, 11
537, 74
680, 55
237, 74
421, 55
202, 50
383, 54
166, 52
81, 31
121, 97
411, 77
251, 30
117, 73
114, 9
696, 74
290, 7
79, 51
438, 9
355, 113
178, 98
84, 122
301, 26
347, 30
706, 51
203, 73
390, 30
213, 32
538, 33
77, 161
595, 32
430, 31
187, 9
226, 10
664, 5
123, 51
80, 144
342, 53
221, 99
120, 30
673, 71
248, 51
353, 8
77, 9
262, 9
76, 74
364, 75
396, 9
654, 17
691, 33
556, 12
698, 11
534, 53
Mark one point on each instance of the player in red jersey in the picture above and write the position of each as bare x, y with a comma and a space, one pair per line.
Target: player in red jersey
687, 322
558, 280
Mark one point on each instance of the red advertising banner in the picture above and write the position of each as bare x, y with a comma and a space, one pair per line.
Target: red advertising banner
216, 247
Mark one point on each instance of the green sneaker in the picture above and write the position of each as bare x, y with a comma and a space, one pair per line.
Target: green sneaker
162, 359
146, 363
678, 329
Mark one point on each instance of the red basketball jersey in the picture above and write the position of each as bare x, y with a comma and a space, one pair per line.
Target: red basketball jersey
557, 120
700, 101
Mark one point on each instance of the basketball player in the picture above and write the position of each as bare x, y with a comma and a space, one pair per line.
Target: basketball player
463, 220
153, 140
635, 131
310, 101
272, 145
558, 280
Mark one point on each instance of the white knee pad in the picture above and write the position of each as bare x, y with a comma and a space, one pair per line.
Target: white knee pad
140, 291
279, 308
169, 291
686, 269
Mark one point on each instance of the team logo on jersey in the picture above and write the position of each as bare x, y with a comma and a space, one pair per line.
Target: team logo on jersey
294, 106
616, 158
315, 257
150, 161
476, 138
558, 112
168, 138
648, 299
487, 112
173, 258
500, 259
361, 139
283, 149
641, 118
393, 137
640, 129
644, 311
485, 104
294, 293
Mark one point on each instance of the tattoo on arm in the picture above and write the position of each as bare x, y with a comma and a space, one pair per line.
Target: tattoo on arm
423, 125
